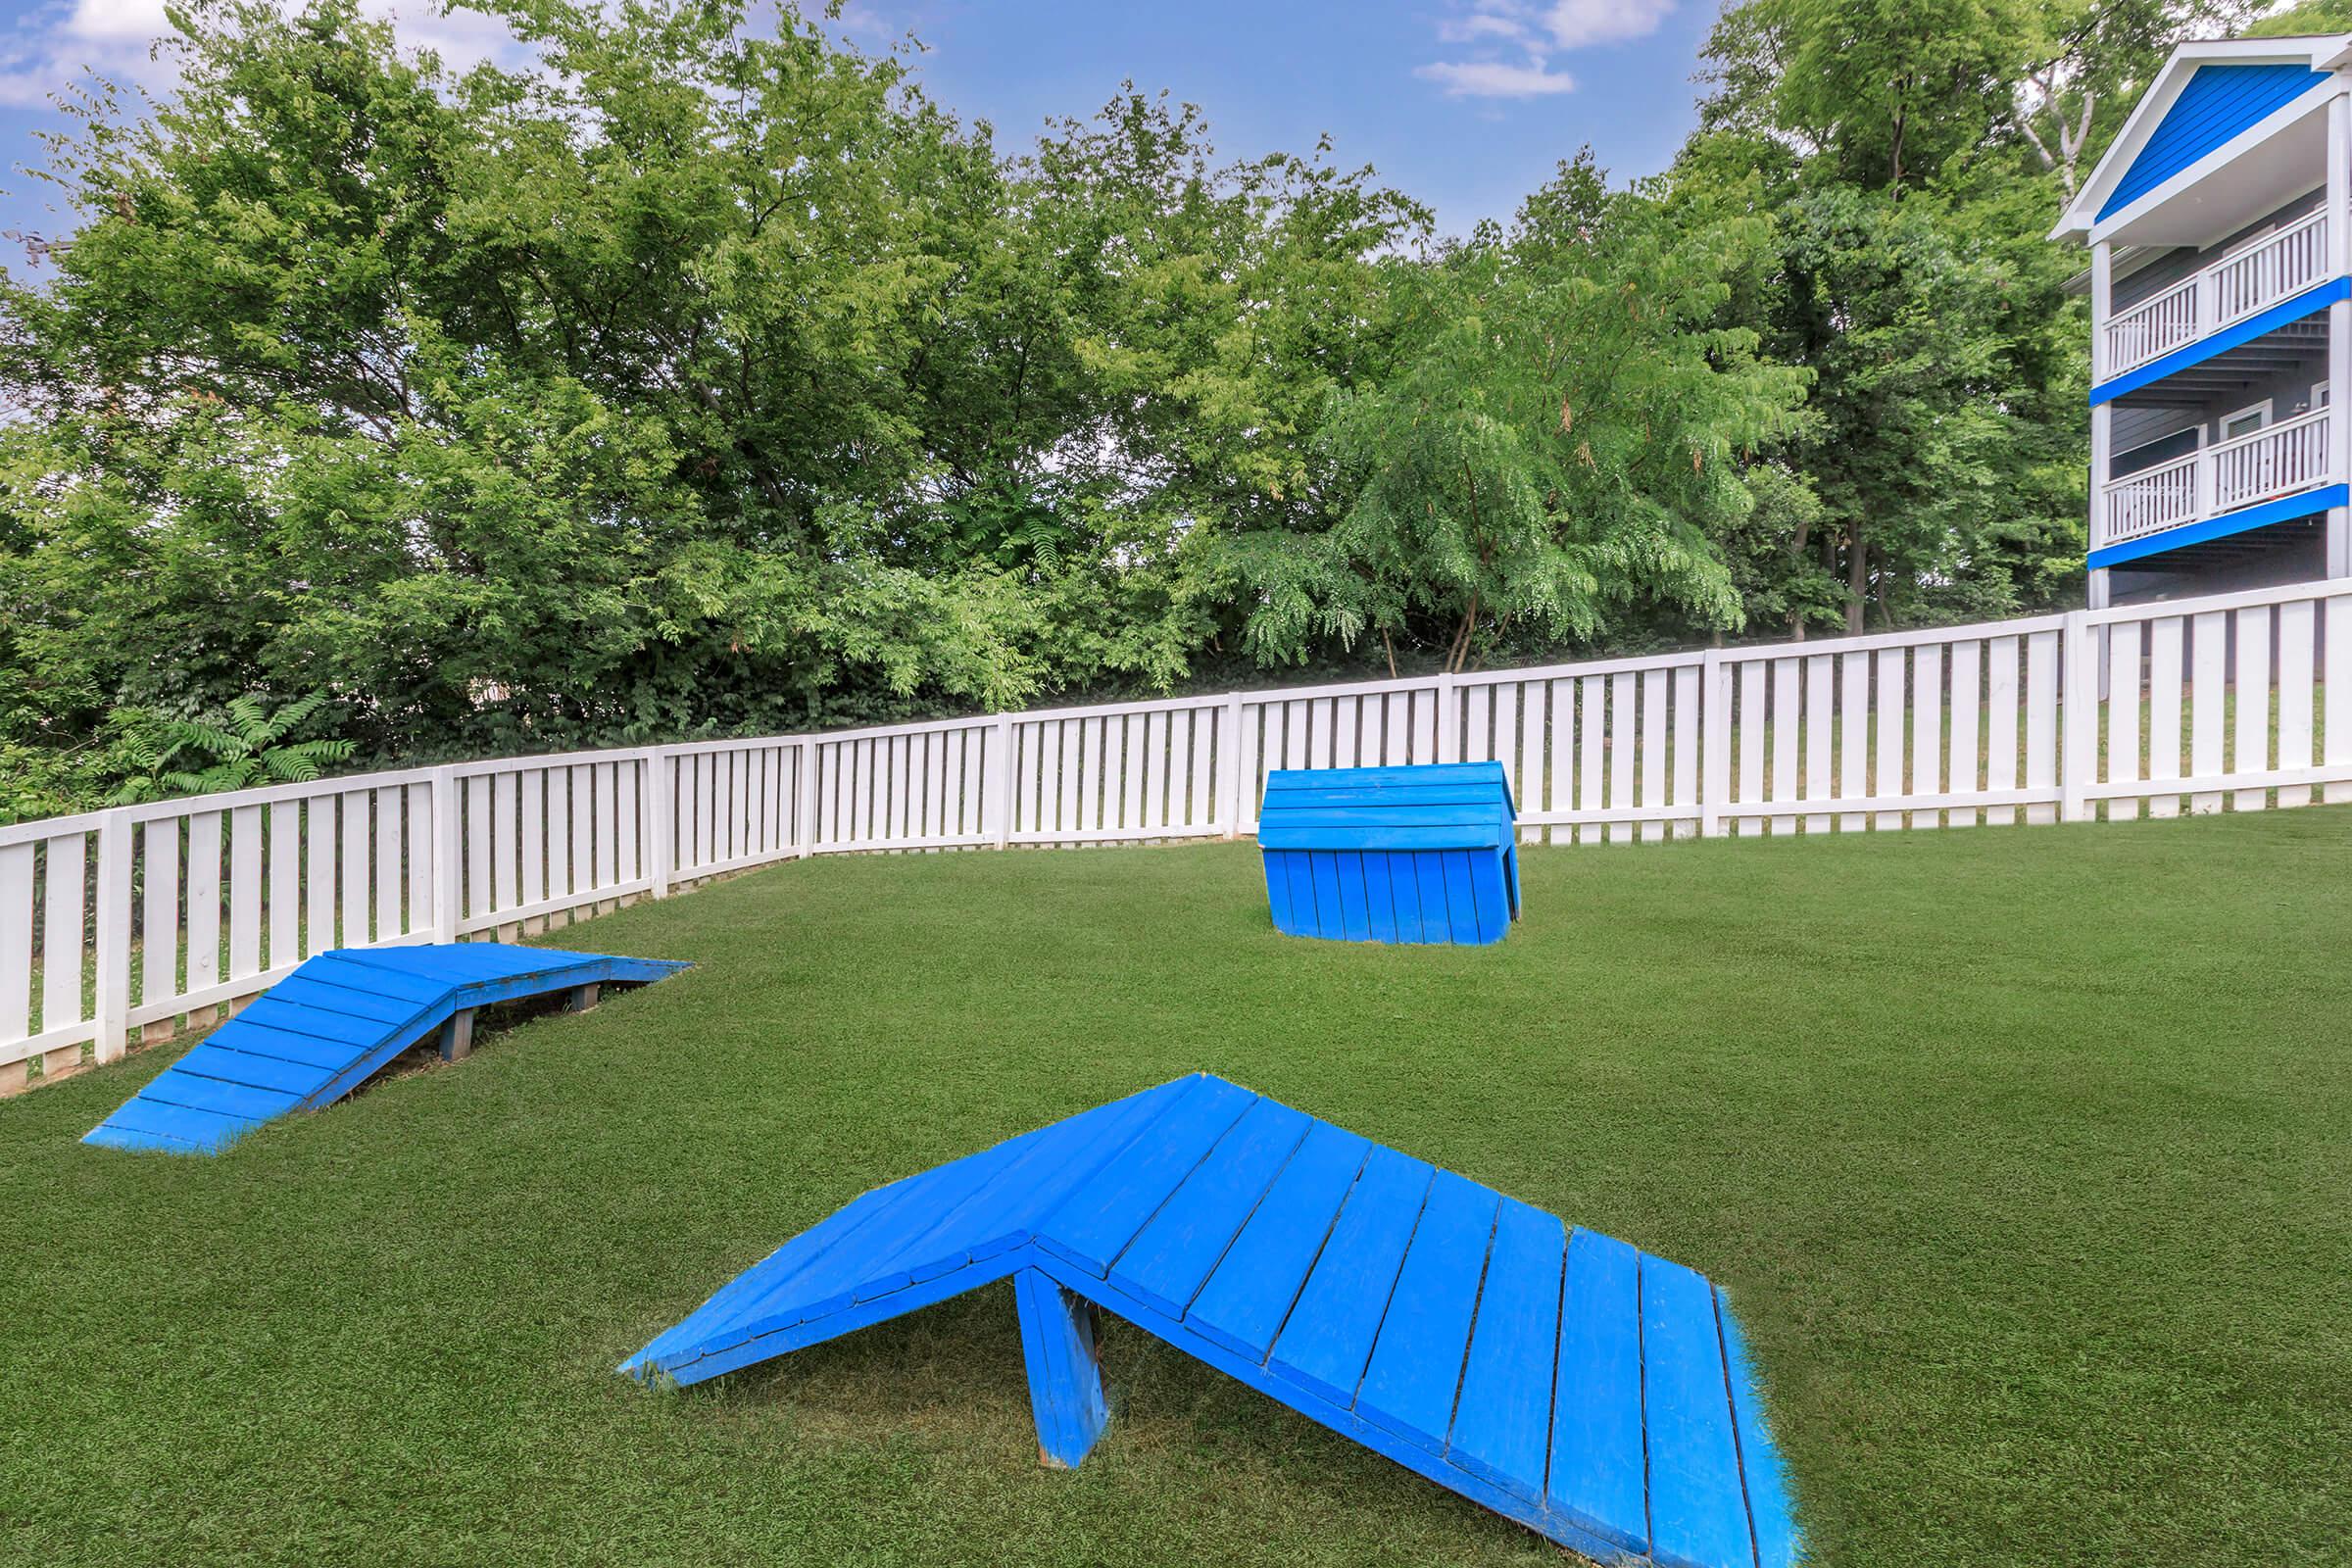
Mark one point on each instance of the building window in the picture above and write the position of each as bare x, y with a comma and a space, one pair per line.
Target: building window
2246, 420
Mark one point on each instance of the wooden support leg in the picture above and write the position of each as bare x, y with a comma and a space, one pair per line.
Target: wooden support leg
1066, 1373
582, 998
457, 1036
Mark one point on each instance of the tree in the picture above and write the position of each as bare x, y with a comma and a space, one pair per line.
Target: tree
1948, 444
1563, 442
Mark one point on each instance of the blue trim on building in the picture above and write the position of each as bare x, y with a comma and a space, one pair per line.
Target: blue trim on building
2219, 102
2302, 504
2316, 297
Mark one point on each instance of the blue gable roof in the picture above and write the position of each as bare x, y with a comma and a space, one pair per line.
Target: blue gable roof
2219, 102
1455, 805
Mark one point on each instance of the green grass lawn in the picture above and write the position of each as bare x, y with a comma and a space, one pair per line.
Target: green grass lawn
2023, 1154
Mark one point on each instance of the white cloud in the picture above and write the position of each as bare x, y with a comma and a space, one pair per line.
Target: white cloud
132, 20
50, 50
1575, 23
1510, 42
1479, 26
1497, 79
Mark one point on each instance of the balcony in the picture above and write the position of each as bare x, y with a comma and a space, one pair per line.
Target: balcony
2276, 268
2269, 463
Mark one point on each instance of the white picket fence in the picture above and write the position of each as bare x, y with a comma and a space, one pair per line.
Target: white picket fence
136, 921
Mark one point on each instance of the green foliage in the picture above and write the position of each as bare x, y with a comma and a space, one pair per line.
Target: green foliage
2312, 16
701, 376
244, 748
1564, 437
1914, 156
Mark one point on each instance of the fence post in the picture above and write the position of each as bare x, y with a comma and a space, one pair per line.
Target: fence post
663, 823
1229, 767
1715, 741
449, 886
111, 1013
995, 789
804, 798
1449, 718
2078, 716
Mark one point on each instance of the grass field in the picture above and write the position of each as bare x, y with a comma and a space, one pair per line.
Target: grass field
2023, 1154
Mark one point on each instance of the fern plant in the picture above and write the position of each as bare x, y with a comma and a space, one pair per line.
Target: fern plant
250, 748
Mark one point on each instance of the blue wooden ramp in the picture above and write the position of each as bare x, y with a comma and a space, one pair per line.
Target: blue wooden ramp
321, 1032
1590, 1391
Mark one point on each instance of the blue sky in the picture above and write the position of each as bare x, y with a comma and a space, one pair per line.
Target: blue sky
1466, 103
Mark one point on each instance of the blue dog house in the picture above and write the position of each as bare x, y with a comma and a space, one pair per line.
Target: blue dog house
1390, 853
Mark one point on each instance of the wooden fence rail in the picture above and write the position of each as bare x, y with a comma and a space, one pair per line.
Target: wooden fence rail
133, 922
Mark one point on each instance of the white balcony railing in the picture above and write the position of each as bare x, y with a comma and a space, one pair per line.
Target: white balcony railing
2149, 502
2255, 279
2276, 462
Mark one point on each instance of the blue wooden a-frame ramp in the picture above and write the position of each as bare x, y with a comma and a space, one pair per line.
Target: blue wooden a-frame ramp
339, 1017
1593, 1393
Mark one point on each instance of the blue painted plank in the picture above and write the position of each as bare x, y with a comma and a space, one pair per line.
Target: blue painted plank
703, 1368
1330, 917
243, 1034
1409, 775
114, 1134
1391, 816
876, 1263
1250, 1294
1436, 919
1306, 916
1172, 1255
1066, 1379
684, 1339
828, 1279
1404, 894
214, 1061
444, 967
1597, 1464
1482, 793
1380, 903
1278, 890
917, 1242
1461, 901
1004, 1216
782, 1300
1491, 895
1325, 1343
1769, 1515
375, 1006
337, 969
266, 1011
1095, 1226
1502, 1431
1416, 1364
1698, 1516
1485, 835
159, 1119
175, 1088
1356, 924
